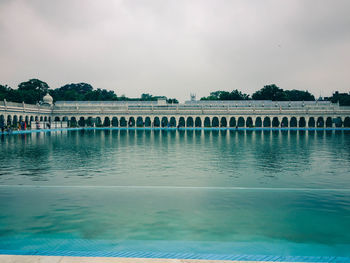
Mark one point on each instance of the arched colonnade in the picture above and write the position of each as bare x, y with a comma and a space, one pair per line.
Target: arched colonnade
205, 121
15, 119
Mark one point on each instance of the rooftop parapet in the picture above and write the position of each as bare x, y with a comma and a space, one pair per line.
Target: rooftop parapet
260, 103
197, 104
161, 101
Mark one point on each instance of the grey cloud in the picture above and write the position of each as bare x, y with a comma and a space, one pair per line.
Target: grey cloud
177, 47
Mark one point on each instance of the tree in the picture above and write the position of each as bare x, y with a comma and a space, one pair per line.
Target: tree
82, 92
342, 98
225, 95
33, 90
237, 95
147, 97
299, 95
172, 101
4, 91
270, 92
71, 92
10, 94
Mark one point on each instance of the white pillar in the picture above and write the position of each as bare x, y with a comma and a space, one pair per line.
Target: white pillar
253, 120
177, 118
202, 121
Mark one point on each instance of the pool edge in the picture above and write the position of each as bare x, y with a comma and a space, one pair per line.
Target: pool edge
179, 129
168, 257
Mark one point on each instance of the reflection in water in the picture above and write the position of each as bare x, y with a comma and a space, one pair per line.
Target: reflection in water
200, 186
178, 158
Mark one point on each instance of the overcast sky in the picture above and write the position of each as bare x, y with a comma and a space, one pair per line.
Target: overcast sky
177, 47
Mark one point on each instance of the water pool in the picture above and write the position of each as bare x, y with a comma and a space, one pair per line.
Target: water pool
190, 194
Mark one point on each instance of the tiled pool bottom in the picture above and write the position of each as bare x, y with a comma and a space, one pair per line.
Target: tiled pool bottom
68, 259
168, 250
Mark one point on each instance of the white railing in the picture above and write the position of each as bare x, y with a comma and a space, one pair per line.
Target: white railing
116, 108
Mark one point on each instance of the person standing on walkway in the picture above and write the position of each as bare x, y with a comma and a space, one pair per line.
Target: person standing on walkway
22, 125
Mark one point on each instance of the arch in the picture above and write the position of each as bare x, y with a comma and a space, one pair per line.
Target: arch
123, 122
240, 122
148, 122
215, 122
258, 122
156, 122
20, 119
49, 119
57, 118
267, 122
98, 122
106, 122
275, 122
31, 118
73, 122
182, 122
329, 122
223, 122
15, 120
81, 122
26, 119
9, 120
41, 118
320, 122
172, 122
189, 122
284, 122
293, 122
302, 122
249, 122
198, 122
115, 122
347, 122
90, 122
45, 118
311, 122
37, 118
207, 122
139, 122
338, 122
131, 122
164, 122
233, 122
2, 120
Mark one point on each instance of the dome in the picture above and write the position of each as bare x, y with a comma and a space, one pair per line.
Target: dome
48, 99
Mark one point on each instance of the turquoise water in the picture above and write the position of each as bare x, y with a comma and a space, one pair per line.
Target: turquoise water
220, 192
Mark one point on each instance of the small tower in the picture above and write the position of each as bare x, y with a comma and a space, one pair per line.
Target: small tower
193, 97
